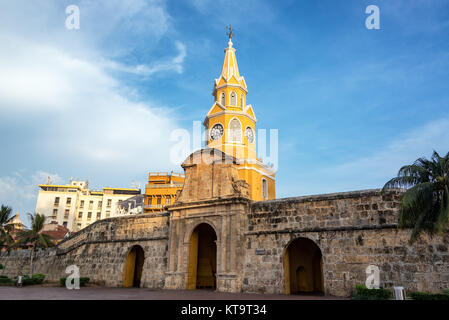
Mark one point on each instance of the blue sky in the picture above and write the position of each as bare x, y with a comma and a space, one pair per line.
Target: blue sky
351, 105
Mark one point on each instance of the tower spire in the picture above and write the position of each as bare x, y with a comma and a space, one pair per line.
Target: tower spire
230, 67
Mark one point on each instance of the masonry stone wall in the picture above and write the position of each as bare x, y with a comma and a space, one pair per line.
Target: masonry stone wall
353, 230
100, 251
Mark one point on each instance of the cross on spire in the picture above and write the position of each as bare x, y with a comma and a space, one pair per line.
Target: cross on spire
230, 32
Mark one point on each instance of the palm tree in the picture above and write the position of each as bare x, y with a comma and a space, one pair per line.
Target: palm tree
6, 239
425, 204
35, 237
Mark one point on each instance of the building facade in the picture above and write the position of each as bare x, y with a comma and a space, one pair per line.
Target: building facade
133, 205
161, 190
217, 234
75, 206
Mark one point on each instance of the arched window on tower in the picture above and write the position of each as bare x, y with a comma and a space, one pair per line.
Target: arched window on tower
233, 99
241, 100
223, 99
264, 188
235, 130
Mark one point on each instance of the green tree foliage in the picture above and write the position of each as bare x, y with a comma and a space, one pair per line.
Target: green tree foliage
425, 204
34, 237
6, 239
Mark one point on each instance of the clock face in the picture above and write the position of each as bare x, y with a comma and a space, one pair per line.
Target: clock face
249, 134
216, 132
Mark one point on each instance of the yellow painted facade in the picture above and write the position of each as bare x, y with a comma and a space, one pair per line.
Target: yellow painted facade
231, 127
161, 190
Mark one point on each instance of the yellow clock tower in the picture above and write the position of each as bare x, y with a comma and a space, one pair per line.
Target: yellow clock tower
230, 127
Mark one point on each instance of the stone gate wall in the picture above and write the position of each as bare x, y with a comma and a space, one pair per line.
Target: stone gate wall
100, 251
353, 230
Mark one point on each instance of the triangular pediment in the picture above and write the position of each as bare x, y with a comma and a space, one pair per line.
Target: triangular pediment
216, 107
221, 81
233, 80
242, 82
249, 110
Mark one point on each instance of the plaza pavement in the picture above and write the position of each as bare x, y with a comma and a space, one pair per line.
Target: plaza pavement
102, 293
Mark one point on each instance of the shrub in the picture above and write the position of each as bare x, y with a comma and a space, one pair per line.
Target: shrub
363, 293
83, 281
36, 278
429, 296
1, 266
446, 291
5, 280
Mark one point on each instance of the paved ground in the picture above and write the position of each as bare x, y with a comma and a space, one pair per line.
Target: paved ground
90, 293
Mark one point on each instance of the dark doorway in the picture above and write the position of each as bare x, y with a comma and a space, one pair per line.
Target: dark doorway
202, 258
133, 267
303, 267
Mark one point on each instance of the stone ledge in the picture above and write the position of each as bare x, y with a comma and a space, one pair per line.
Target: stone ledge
329, 196
79, 244
344, 228
109, 220
209, 202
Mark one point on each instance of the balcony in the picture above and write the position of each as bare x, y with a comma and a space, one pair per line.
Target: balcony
152, 206
155, 174
156, 186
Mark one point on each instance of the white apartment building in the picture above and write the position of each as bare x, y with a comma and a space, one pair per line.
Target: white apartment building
75, 206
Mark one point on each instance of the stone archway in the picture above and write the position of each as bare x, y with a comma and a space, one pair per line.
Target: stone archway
202, 267
133, 267
303, 267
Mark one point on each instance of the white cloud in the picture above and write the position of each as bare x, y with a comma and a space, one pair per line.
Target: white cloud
19, 190
403, 149
174, 64
65, 110
75, 110
369, 170
86, 113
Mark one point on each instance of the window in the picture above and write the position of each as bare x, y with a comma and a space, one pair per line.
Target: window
100, 203
109, 203
159, 200
79, 226
80, 215
168, 201
82, 204
69, 201
66, 214
108, 214
241, 100
264, 189
64, 224
89, 215
233, 99
98, 215
223, 99
91, 204
56, 201
55, 213
235, 130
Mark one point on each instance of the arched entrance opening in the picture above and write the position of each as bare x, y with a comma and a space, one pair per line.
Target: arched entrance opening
133, 267
202, 258
303, 267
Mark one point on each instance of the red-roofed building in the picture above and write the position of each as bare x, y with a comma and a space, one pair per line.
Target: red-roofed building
56, 231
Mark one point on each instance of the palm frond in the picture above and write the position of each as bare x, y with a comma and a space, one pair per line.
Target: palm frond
425, 204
